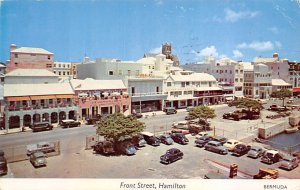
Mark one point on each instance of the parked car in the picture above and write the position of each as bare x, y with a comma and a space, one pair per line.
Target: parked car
216, 146
166, 139
289, 163
220, 139
181, 125
201, 142
3, 163
271, 157
201, 134
44, 147
240, 150
255, 152
137, 115
93, 119
151, 139
104, 147
179, 138
171, 155
138, 140
189, 117
231, 143
41, 126
190, 108
38, 159
125, 147
67, 123
296, 154
170, 110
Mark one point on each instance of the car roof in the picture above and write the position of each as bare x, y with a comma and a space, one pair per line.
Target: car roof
214, 142
173, 149
147, 133
272, 151
232, 140
39, 153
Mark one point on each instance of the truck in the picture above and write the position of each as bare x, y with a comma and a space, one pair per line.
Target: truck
44, 147
242, 114
266, 173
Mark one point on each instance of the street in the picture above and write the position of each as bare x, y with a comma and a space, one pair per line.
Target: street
75, 161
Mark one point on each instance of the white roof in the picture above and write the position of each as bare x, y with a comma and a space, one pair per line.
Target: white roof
31, 73
247, 66
193, 77
31, 50
279, 82
264, 59
37, 89
92, 84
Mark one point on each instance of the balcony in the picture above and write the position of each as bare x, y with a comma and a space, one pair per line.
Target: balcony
35, 107
109, 100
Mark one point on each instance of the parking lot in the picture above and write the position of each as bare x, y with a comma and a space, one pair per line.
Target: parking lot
196, 163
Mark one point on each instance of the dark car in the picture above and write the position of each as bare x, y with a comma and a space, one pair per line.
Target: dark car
171, 155
41, 126
179, 138
93, 119
271, 157
166, 139
104, 147
151, 139
67, 123
125, 147
189, 117
240, 150
3, 164
200, 142
170, 110
220, 139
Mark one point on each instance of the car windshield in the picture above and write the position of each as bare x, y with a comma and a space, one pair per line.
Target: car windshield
255, 149
287, 159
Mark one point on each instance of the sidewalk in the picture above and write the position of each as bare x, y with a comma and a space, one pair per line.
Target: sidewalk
18, 130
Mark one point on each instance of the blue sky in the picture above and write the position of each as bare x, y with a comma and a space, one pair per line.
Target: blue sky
127, 29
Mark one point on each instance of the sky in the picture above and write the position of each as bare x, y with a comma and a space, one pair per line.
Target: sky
126, 29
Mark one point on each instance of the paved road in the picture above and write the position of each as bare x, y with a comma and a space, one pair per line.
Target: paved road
75, 161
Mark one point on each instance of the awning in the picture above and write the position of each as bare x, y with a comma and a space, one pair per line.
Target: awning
18, 98
42, 97
65, 96
83, 94
296, 89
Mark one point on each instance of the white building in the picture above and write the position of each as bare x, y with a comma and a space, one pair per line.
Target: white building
262, 81
228, 73
30, 76
65, 70
278, 84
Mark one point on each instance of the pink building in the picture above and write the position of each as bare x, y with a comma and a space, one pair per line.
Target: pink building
101, 97
29, 58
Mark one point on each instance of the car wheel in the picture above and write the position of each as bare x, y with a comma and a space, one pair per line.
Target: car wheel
169, 161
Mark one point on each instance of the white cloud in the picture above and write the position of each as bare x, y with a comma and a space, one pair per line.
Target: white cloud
233, 16
1, 1
237, 54
155, 50
223, 56
209, 51
274, 29
257, 45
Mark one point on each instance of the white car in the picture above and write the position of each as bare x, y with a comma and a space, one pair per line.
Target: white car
231, 143
201, 134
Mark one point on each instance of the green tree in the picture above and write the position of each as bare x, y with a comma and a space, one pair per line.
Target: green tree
117, 126
282, 94
204, 112
248, 103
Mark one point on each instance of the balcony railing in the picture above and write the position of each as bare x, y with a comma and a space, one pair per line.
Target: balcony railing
33, 107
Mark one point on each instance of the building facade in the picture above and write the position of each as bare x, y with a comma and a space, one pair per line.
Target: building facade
101, 97
29, 103
65, 70
262, 81
29, 58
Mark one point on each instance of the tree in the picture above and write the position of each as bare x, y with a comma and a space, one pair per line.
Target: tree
117, 126
204, 112
282, 94
248, 103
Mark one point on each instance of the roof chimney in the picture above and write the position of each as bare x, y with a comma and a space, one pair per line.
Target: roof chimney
13, 47
275, 55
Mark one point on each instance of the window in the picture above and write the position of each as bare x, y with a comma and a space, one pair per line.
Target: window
132, 91
16, 63
64, 73
54, 65
64, 65
68, 73
172, 93
49, 66
110, 73
16, 55
237, 71
241, 80
49, 57
157, 89
169, 84
149, 67
182, 84
59, 65
137, 72
236, 80
225, 71
54, 72
241, 71
59, 73
230, 72
129, 72
187, 83
217, 71
152, 67
68, 66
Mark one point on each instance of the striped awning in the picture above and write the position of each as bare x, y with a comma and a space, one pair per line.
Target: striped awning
18, 98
